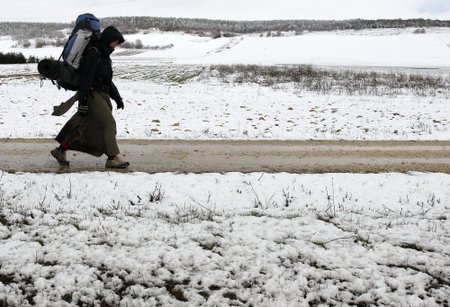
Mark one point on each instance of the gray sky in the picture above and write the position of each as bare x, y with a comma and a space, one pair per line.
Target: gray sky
67, 10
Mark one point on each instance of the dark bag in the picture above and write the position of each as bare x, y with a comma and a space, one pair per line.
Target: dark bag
65, 72
65, 75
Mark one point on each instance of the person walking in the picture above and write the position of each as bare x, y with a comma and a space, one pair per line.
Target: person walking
92, 129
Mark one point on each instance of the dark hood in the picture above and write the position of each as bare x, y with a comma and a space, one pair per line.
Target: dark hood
111, 34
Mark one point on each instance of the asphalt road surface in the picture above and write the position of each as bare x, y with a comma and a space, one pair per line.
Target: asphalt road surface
218, 156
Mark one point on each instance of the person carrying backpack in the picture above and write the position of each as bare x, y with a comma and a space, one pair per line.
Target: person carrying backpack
92, 129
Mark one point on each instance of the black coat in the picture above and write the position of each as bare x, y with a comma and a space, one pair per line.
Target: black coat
96, 69
96, 74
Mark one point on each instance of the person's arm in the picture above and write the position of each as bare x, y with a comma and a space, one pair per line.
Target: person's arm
115, 95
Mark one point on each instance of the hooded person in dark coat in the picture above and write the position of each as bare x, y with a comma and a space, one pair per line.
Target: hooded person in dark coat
93, 129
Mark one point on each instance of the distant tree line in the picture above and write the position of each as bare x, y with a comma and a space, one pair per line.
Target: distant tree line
16, 58
56, 33
133, 24
128, 25
29, 30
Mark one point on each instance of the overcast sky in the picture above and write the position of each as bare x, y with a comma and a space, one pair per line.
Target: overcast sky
67, 10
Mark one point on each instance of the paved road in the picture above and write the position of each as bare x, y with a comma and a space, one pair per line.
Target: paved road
25, 155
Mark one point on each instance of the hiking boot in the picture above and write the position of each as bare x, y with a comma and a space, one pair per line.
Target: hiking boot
61, 157
116, 163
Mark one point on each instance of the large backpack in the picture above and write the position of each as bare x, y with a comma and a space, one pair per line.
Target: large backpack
65, 72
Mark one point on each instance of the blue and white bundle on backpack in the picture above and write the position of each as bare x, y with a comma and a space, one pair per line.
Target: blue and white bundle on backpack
87, 27
65, 72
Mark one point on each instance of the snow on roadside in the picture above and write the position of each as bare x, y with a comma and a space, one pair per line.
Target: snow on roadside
220, 239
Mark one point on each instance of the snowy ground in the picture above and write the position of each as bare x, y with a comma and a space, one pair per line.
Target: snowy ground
232, 239
164, 100
160, 109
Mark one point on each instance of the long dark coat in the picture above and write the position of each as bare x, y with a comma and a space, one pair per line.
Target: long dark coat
95, 133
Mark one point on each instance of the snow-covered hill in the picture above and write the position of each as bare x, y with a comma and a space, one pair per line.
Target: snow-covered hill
388, 47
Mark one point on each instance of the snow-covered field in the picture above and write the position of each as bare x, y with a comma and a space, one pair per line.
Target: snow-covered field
110, 239
225, 239
212, 110
159, 104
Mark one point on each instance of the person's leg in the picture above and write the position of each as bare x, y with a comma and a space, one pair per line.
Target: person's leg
103, 125
103, 113
65, 138
60, 154
64, 146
